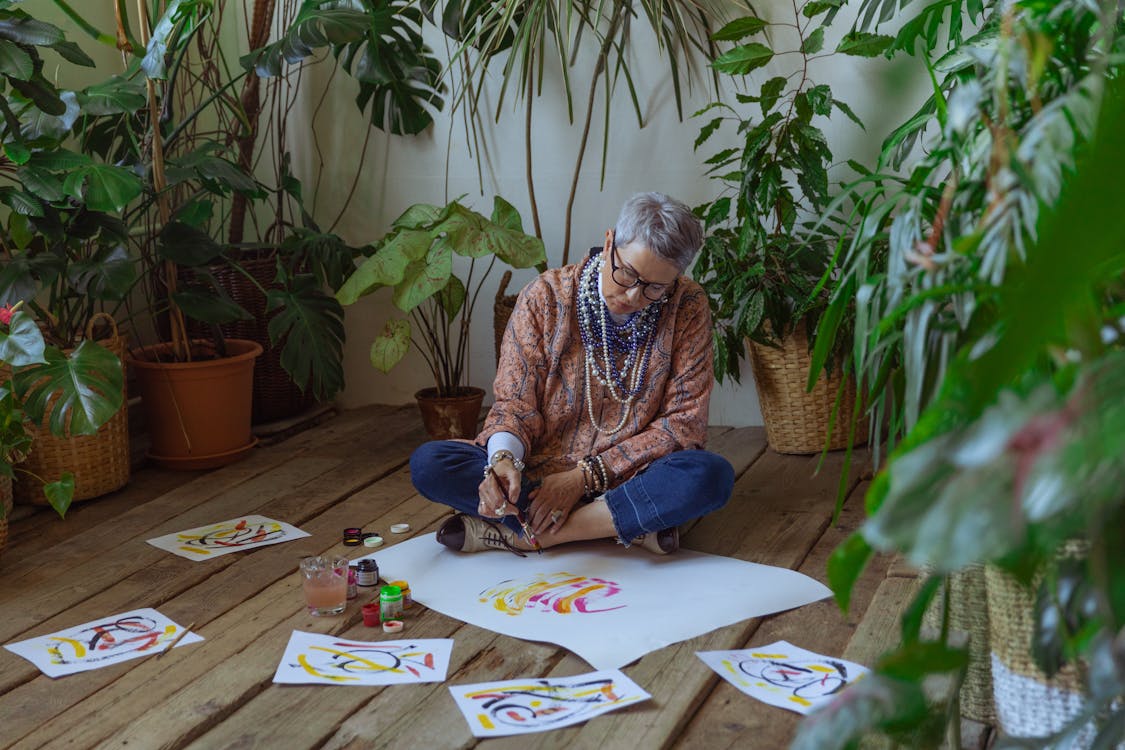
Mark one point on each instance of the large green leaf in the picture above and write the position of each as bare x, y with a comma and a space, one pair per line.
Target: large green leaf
386, 267
22, 344
313, 28
14, 62
739, 28
108, 275
209, 307
390, 346
60, 493
104, 187
179, 22
114, 96
423, 278
89, 384
311, 325
22, 29
743, 59
864, 44
185, 245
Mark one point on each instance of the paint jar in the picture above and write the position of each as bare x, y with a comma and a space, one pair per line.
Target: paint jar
352, 591
390, 603
371, 614
367, 572
407, 600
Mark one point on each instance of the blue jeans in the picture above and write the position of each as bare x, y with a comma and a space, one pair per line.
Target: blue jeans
672, 490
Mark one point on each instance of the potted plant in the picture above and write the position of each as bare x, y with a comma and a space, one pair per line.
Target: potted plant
415, 260
64, 260
1004, 461
765, 257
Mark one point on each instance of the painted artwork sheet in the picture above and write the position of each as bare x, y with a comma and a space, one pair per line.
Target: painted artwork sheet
314, 658
495, 709
100, 643
784, 675
607, 604
222, 538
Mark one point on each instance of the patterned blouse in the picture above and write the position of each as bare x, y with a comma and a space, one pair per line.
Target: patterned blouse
540, 387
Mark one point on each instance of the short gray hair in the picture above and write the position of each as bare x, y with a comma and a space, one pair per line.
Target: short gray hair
662, 224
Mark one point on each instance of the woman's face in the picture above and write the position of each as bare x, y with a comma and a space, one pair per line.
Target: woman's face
650, 275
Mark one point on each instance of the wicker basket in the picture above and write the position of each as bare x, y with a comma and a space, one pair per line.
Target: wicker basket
99, 462
796, 420
276, 396
502, 311
6, 504
968, 613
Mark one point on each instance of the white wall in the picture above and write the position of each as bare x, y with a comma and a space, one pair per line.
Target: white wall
402, 171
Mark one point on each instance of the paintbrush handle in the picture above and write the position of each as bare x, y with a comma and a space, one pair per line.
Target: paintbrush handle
176, 640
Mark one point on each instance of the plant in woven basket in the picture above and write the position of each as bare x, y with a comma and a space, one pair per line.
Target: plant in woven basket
74, 393
1004, 350
415, 260
765, 258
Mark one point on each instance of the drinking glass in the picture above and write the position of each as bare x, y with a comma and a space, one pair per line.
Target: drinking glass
325, 581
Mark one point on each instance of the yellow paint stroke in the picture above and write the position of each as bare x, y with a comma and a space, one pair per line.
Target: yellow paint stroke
366, 663
304, 662
556, 691
522, 597
769, 656
196, 550
798, 699
485, 721
729, 666
818, 668
79, 648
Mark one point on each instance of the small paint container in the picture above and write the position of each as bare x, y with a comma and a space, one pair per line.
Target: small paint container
353, 536
393, 626
390, 603
352, 591
367, 572
407, 599
371, 615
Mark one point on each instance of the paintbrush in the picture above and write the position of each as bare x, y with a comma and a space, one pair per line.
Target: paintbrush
176, 640
527, 531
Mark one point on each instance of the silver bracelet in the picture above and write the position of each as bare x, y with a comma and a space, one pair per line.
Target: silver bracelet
500, 455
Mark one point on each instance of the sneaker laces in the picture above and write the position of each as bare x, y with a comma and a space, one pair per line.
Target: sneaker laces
493, 536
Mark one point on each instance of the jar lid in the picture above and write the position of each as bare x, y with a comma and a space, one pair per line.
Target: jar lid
390, 592
367, 563
401, 584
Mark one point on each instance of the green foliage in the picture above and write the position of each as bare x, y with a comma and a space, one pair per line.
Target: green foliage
309, 327
1011, 342
762, 263
415, 260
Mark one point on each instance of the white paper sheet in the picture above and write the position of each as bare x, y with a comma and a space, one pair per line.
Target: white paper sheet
224, 537
100, 643
328, 660
784, 675
494, 709
607, 604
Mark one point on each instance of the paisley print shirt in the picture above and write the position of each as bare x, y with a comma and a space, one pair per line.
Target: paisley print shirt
540, 387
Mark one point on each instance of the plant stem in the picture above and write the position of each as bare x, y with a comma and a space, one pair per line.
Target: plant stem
527, 151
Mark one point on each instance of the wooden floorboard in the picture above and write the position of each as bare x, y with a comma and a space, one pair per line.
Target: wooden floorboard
351, 470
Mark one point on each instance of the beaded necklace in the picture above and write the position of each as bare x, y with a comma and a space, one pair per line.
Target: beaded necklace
630, 341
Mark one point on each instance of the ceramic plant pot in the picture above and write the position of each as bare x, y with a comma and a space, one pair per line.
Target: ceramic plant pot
198, 412
447, 417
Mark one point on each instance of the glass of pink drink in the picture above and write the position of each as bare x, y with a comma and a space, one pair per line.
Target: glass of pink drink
325, 581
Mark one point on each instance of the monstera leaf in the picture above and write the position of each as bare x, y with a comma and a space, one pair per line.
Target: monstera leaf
22, 343
89, 384
311, 324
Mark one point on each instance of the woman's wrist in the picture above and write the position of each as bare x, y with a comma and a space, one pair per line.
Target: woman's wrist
505, 455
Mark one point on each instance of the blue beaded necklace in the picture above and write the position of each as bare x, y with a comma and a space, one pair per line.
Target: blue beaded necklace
629, 342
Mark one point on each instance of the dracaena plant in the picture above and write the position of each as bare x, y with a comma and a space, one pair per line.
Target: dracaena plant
415, 260
765, 257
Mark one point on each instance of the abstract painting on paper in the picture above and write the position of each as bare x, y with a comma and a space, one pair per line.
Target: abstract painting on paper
785, 676
100, 643
494, 709
313, 658
224, 537
607, 604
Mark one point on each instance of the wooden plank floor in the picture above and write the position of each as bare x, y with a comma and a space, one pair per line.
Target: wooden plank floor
352, 470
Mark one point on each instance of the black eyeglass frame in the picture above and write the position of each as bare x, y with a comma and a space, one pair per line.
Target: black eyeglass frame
644, 285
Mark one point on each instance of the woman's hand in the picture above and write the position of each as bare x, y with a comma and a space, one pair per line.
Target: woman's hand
499, 490
552, 501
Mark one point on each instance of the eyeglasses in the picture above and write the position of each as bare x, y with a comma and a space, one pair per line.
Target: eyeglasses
628, 278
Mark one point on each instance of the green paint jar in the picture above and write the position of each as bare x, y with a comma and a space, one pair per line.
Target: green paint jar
390, 603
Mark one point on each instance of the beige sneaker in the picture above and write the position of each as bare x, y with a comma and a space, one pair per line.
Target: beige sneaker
465, 533
663, 542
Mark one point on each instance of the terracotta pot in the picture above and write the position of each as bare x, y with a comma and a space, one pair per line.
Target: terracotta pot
447, 417
198, 412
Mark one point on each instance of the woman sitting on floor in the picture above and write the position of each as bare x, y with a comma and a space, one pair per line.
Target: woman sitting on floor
601, 408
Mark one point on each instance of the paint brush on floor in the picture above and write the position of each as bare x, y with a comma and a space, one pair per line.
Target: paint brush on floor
176, 640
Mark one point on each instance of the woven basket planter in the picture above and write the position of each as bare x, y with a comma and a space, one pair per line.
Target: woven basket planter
502, 309
99, 462
796, 420
1028, 704
276, 396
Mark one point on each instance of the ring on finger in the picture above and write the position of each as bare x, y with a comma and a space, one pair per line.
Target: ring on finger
556, 515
